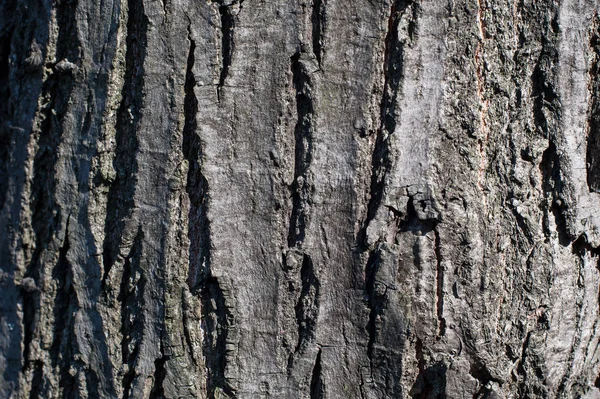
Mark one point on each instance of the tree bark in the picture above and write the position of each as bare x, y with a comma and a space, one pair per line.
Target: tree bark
296, 199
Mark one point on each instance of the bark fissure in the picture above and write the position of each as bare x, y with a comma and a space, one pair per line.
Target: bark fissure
160, 373
553, 186
303, 133
393, 69
593, 119
37, 380
216, 319
6, 129
120, 201
317, 388
56, 90
307, 308
65, 301
133, 320
216, 316
318, 20
374, 304
227, 45
439, 285
196, 186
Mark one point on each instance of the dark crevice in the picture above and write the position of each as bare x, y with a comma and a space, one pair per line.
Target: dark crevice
131, 296
593, 138
160, 373
303, 132
29, 322
216, 318
317, 387
440, 286
377, 292
318, 20
393, 68
307, 308
127, 382
65, 303
545, 98
553, 188
480, 372
197, 185
92, 383
521, 370
411, 221
66, 306
45, 213
121, 193
431, 380
37, 380
227, 45
5, 112
375, 304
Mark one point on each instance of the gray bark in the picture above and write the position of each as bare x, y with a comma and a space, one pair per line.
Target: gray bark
296, 199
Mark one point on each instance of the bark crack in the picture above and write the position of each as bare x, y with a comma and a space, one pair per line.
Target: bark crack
120, 202
593, 120
439, 285
393, 69
302, 186
317, 387
227, 44
318, 19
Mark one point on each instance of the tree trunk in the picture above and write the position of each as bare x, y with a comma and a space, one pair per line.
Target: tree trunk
286, 199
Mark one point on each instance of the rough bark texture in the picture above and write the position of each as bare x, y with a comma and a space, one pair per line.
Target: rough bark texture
295, 199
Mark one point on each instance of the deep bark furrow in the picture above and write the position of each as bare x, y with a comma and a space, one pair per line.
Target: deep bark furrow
196, 186
65, 301
217, 320
131, 296
227, 44
307, 308
318, 20
317, 389
216, 317
120, 201
158, 391
593, 119
381, 162
6, 129
439, 285
373, 303
46, 218
303, 133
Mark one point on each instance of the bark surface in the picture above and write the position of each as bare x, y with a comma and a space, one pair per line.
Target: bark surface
299, 199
